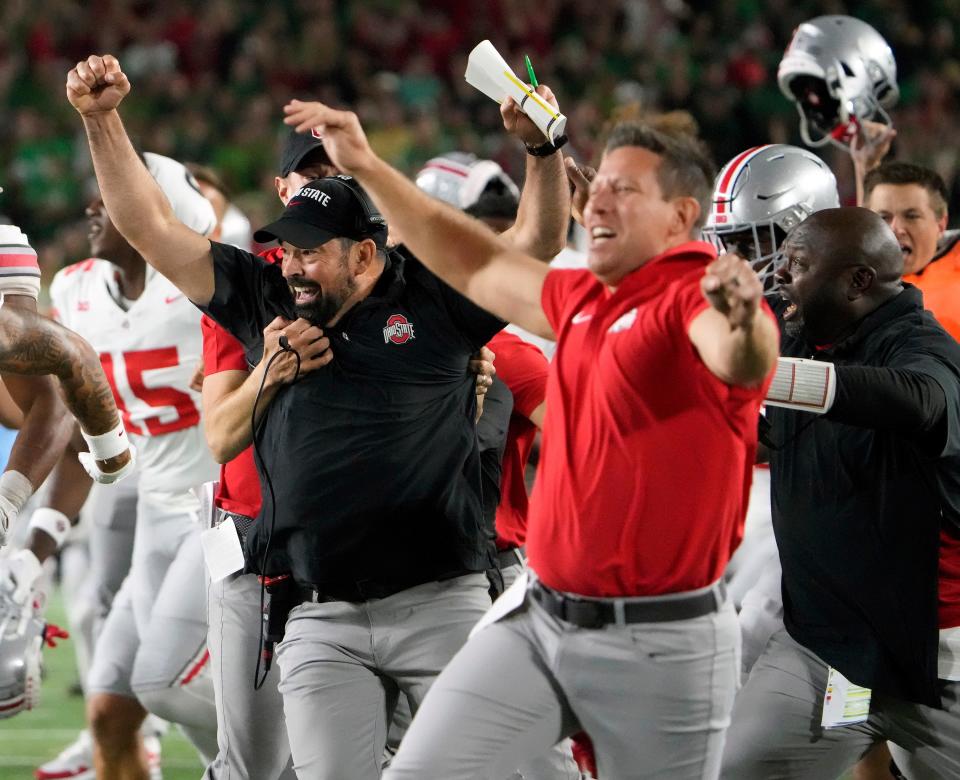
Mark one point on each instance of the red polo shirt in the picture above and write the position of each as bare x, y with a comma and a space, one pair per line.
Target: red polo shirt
239, 489
647, 457
523, 369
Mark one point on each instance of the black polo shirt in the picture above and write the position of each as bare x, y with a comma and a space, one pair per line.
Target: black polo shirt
857, 513
373, 458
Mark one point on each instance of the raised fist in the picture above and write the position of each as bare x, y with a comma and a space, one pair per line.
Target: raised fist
97, 84
732, 288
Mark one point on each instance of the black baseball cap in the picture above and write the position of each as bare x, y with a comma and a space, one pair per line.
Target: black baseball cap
297, 147
332, 207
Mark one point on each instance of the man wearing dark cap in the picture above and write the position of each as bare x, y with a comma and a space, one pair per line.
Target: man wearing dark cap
251, 731
867, 519
369, 462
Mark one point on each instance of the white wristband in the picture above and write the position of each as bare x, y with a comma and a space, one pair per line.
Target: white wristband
108, 445
805, 385
16, 488
51, 522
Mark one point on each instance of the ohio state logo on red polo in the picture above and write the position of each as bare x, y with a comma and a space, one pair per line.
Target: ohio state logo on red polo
399, 330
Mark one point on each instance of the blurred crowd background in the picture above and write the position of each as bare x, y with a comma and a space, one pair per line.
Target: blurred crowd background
209, 79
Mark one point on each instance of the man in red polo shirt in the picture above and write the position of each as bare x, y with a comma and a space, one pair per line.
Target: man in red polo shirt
663, 356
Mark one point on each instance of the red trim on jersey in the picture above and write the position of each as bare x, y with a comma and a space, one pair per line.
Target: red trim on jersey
197, 668
84, 265
8, 260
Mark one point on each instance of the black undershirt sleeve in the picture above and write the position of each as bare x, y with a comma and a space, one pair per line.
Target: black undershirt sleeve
907, 402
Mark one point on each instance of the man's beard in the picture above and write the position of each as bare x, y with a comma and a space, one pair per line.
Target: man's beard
324, 308
320, 311
794, 327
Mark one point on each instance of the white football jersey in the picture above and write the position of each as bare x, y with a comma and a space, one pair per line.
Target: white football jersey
149, 349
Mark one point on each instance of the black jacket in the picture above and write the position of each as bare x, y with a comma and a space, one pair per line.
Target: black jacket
857, 510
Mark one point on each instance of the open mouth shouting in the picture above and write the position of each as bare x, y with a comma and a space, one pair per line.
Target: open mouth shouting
791, 311
304, 292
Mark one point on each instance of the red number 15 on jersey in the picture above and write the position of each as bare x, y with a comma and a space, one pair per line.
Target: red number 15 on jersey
136, 401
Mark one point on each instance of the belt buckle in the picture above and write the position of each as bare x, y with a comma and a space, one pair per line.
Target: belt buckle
585, 614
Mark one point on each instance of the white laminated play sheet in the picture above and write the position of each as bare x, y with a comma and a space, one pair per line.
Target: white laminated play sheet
221, 550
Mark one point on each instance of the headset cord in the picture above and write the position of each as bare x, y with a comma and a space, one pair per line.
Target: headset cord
265, 654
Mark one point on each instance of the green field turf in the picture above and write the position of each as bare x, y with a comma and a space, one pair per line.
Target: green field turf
31, 738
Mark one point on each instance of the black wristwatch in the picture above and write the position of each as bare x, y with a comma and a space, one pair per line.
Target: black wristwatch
546, 149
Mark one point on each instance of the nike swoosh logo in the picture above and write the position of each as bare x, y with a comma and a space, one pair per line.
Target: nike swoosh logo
579, 318
169, 299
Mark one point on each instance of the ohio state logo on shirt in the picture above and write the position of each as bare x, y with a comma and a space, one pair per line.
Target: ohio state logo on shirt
399, 330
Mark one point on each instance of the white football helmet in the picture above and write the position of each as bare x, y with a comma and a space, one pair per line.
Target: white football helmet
838, 71
22, 634
460, 178
183, 192
760, 195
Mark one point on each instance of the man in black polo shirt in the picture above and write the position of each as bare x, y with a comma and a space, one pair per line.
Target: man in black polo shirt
861, 496
369, 468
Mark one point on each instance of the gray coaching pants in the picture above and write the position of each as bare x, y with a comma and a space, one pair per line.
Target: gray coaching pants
344, 665
251, 731
557, 763
776, 731
654, 697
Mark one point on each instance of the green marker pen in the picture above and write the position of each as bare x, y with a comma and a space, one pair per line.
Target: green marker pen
533, 76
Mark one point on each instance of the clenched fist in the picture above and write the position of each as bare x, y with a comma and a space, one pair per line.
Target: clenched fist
732, 288
97, 84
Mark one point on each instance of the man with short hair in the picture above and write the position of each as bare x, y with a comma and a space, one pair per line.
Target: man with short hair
912, 200
625, 629
865, 511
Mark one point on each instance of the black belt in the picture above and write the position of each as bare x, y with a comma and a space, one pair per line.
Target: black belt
242, 523
512, 557
365, 590
596, 613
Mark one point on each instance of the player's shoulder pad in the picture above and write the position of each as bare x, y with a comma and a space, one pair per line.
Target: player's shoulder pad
73, 276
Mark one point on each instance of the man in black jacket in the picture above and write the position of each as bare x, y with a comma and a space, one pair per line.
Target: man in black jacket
859, 498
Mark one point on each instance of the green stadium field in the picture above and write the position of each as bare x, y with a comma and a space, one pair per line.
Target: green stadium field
31, 738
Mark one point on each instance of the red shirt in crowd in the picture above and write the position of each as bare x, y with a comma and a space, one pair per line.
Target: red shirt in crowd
647, 456
523, 369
